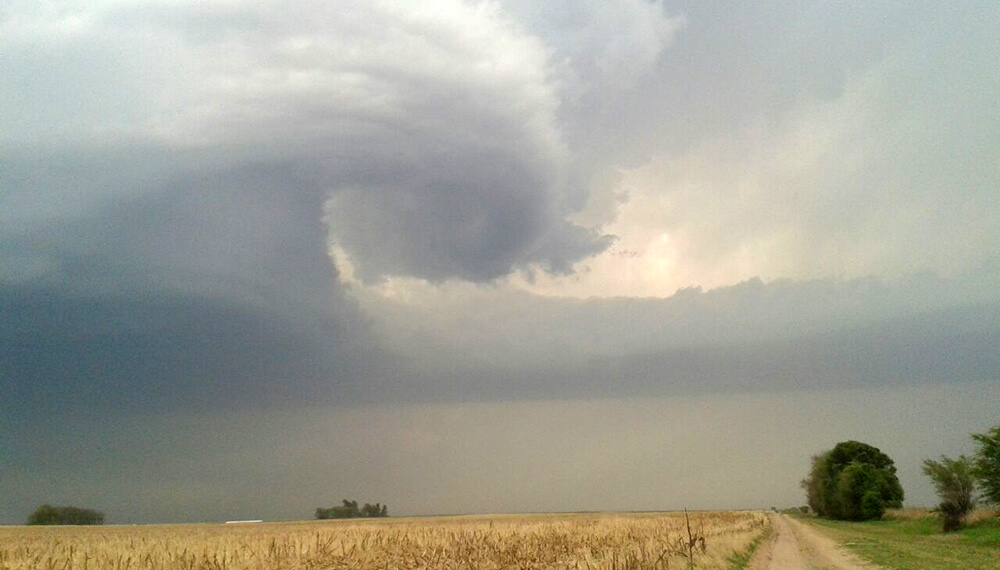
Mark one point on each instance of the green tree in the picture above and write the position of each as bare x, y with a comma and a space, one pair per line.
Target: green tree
954, 483
986, 464
859, 492
349, 510
47, 515
852, 481
813, 484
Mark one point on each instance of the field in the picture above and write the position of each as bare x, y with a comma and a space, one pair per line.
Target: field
616, 541
912, 540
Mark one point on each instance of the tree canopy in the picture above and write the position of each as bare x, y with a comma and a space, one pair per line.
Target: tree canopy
48, 515
986, 464
852, 481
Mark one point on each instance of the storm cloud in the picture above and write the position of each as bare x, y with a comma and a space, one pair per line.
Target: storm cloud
217, 216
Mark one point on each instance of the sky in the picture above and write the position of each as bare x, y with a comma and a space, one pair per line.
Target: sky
489, 256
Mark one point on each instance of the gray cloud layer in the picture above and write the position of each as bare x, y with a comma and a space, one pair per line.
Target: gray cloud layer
173, 175
723, 452
474, 343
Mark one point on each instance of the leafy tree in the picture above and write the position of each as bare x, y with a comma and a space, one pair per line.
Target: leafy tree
813, 484
47, 515
852, 481
859, 492
986, 464
872, 506
376, 510
954, 484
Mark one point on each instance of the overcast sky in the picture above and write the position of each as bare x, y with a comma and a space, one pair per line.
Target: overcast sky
461, 256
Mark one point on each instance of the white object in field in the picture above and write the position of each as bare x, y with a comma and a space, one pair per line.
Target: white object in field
243, 522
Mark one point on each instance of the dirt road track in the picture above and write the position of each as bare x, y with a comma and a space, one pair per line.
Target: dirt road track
797, 546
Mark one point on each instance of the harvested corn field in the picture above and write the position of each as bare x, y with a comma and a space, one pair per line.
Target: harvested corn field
660, 540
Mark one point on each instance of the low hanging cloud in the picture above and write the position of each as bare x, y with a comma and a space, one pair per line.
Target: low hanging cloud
467, 342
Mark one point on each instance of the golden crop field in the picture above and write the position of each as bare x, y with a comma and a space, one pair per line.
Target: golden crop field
615, 541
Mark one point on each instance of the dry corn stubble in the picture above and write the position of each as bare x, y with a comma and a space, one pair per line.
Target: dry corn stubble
659, 540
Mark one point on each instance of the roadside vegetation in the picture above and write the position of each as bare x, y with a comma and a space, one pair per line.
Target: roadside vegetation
954, 484
911, 539
905, 539
986, 464
853, 481
742, 559
956, 480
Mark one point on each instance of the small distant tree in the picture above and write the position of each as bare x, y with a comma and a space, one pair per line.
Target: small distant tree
986, 464
376, 510
349, 510
49, 515
954, 483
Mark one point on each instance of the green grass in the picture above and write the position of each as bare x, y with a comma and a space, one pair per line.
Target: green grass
741, 560
919, 544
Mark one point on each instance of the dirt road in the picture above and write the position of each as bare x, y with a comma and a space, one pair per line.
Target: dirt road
797, 546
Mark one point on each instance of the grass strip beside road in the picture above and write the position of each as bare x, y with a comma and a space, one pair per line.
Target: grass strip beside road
741, 560
918, 544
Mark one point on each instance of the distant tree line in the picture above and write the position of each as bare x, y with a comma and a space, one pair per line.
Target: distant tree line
855, 481
350, 510
47, 514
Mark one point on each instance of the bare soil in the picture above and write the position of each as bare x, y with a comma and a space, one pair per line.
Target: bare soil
798, 546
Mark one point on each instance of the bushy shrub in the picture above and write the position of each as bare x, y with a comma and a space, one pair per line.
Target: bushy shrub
872, 507
954, 483
47, 515
852, 481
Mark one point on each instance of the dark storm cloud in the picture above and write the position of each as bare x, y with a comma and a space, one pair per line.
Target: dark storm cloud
183, 298
439, 145
474, 225
201, 288
133, 355
167, 170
